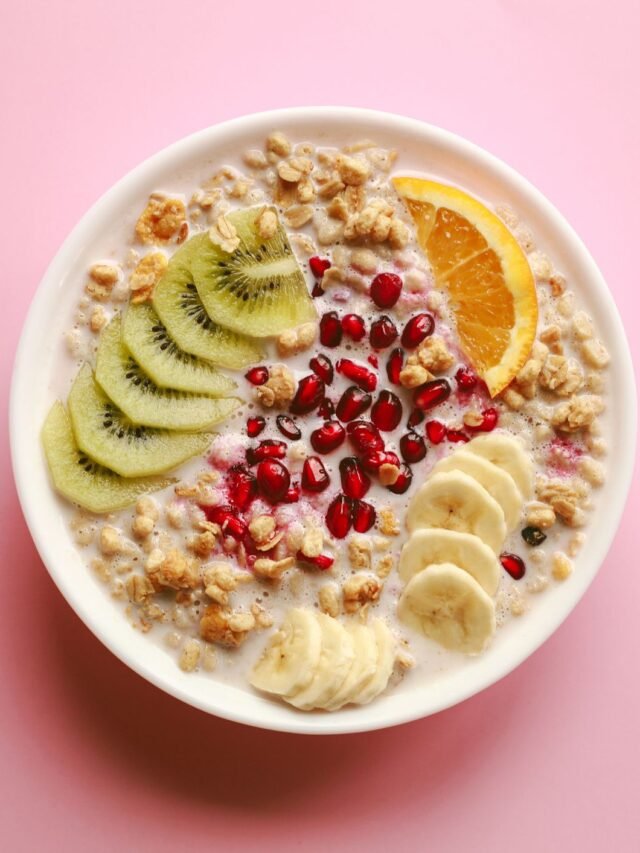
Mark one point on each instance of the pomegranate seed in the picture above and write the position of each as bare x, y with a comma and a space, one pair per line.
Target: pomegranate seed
338, 517
431, 394
273, 479
257, 375
373, 360
314, 475
355, 483
436, 431
372, 462
364, 436
417, 329
353, 326
466, 379
362, 376
456, 435
382, 333
352, 404
242, 487
317, 289
322, 561
394, 365
412, 447
403, 482
489, 421
322, 367
288, 427
513, 565
326, 409
270, 448
293, 494
327, 437
235, 527
386, 288
227, 518
319, 266
415, 418
364, 516
330, 329
255, 426
309, 395
387, 411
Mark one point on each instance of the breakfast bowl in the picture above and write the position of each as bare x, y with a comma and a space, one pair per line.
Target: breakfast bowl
44, 370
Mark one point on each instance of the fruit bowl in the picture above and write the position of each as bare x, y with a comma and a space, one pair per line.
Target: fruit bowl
33, 390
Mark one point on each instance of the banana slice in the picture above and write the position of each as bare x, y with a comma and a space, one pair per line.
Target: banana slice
455, 501
495, 480
336, 657
386, 644
507, 453
429, 546
362, 669
446, 604
291, 657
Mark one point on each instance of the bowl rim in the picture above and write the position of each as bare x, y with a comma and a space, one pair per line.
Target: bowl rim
625, 437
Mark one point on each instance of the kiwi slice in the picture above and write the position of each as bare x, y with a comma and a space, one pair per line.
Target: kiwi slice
162, 359
178, 305
142, 401
259, 288
82, 480
108, 437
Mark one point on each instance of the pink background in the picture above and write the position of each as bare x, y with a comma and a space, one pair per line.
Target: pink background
92, 757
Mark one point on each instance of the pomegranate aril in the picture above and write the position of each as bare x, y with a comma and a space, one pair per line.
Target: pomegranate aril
386, 288
386, 412
364, 516
513, 565
364, 436
338, 517
415, 418
488, 423
270, 448
436, 431
373, 360
330, 329
228, 520
314, 475
326, 409
394, 365
403, 482
353, 327
288, 427
322, 367
372, 462
293, 494
255, 426
273, 480
257, 375
466, 379
358, 373
382, 333
327, 437
317, 289
412, 447
241, 487
456, 435
235, 527
319, 266
353, 403
416, 330
432, 394
355, 483
322, 561
309, 395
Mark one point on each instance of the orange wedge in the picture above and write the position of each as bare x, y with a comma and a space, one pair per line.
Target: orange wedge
477, 260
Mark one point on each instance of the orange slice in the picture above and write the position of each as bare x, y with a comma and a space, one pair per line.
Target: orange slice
477, 260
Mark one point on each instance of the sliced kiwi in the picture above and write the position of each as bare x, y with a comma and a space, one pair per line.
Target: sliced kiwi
108, 437
142, 401
178, 305
82, 480
162, 359
259, 288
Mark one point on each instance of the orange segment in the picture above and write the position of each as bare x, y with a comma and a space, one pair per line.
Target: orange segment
478, 261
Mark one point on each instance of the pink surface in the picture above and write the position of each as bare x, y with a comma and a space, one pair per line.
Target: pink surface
92, 757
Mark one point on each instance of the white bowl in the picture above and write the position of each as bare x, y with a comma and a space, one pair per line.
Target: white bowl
438, 152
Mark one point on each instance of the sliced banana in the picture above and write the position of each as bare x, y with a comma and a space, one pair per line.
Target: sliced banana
506, 452
495, 480
291, 657
446, 604
336, 657
455, 501
362, 669
386, 644
465, 550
